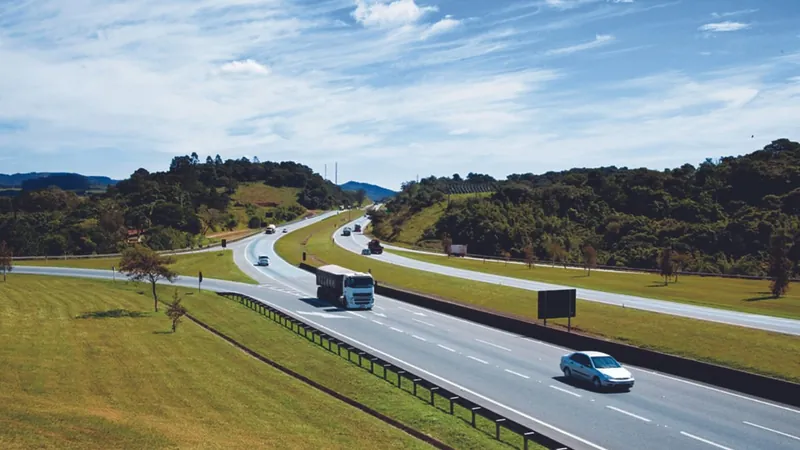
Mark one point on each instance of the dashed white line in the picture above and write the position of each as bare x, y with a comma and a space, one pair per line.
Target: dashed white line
396, 329
774, 431
705, 440
629, 413
420, 338
493, 345
356, 314
379, 323
517, 374
565, 391
379, 307
412, 312
423, 322
476, 359
446, 348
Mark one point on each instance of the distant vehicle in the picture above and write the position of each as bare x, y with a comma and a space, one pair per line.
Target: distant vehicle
346, 231
600, 369
366, 251
358, 228
270, 229
285, 230
344, 287
375, 247
457, 250
263, 260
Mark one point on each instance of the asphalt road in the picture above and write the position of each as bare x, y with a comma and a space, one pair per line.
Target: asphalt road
516, 376
357, 241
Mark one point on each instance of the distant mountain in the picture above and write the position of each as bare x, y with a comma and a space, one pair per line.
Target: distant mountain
375, 193
16, 180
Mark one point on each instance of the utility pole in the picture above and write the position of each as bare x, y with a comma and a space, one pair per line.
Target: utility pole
326, 171
336, 176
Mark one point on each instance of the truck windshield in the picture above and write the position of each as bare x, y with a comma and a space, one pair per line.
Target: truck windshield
359, 282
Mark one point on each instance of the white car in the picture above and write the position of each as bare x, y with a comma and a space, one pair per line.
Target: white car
600, 369
263, 260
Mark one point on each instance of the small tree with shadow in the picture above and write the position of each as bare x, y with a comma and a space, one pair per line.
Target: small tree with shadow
665, 264
528, 251
589, 259
141, 263
780, 266
175, 311
6, 259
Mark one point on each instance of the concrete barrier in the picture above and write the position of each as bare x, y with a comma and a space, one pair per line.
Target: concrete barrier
774, 389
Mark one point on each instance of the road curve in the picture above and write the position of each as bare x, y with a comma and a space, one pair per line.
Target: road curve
516, 376
356, 242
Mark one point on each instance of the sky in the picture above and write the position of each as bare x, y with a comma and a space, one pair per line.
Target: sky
394, 89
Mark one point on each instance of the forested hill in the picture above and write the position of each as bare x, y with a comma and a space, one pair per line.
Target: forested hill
718, 217
17, 179
171, 209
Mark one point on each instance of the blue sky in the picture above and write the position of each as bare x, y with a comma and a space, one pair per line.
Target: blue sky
392, 89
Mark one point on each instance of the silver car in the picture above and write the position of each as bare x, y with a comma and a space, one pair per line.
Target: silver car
600, 369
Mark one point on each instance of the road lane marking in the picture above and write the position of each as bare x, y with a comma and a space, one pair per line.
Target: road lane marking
379, 314
423, 322
493, 345
628, 413
420, 338
476, 359
412, 311
356, 314
379, 307
446, 348
705, 440
774, 431
379, 323
517, 374
565, 391
396, 329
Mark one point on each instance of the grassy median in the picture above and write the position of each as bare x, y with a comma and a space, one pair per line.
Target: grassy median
87, 364
214, 264
748, 349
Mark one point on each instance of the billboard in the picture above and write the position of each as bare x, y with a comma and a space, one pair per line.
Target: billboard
557, 304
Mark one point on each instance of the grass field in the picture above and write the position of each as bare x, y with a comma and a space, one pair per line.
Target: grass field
753, 350
415, 225
214, 264
76, 375
260, 195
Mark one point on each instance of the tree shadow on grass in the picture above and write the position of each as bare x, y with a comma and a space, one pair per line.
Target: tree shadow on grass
761, 296
162, 332
654, 284
111, 314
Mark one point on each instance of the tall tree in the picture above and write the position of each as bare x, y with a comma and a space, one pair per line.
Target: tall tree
780, 266
665, 264
528, 252
6, 259
446, 243
360, 196
589, 259
141, 263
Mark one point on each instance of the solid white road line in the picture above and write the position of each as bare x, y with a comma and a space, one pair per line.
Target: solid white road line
476, 359
446, 348
517, 374
396, 329
423, 322
493, 345
565, 391
420, 338
629, 413
774, 431
705, 440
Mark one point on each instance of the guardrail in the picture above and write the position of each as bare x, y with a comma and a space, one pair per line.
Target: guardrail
774, 389
402, 379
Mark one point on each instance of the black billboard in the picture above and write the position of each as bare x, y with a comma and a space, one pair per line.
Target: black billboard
557, 304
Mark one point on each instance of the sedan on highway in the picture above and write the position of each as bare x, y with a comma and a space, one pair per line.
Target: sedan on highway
263, 260
602, 370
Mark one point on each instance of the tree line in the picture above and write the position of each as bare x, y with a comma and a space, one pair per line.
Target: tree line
173, 208
735, 215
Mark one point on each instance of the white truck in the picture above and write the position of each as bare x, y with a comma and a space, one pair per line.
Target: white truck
457, 250
271, 229
341, 286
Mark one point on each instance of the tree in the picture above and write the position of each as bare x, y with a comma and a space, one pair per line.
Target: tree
210, 218
589, 259
175, 311
665, 264
446, 243
360, 196
556, 251
528, 251
141, 263
6, 259
780, 266
507, 256
680, 261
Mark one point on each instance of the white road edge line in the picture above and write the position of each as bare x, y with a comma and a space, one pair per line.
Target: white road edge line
396, 329
705, 440
517, 374
476, 359
423, 322
770, 429
628, 413
493, 345
420, 338
446, 348
565, 391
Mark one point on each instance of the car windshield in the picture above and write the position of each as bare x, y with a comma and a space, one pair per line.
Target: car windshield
359, 282
605, 362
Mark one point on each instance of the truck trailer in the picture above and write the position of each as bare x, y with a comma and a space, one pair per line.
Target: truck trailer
343, 287
271, 229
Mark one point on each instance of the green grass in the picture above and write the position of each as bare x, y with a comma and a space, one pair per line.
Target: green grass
260, 195
750, 296
748, 349
126, 382
414, 225
214, 264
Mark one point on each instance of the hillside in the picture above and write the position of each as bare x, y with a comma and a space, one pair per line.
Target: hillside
178, 208
373, 192
16, 180
721, 217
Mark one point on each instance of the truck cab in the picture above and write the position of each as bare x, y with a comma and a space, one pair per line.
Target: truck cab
348, 289
270, 229
358, 228
375, 247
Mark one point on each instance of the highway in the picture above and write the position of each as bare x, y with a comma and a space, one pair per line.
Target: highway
357, 241
515, 376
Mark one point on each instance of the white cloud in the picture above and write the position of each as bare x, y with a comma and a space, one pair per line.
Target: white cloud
442, 26
247, 66
734, 13
377, 13
724, 26
599, 40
